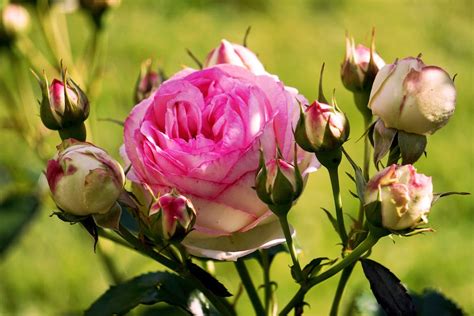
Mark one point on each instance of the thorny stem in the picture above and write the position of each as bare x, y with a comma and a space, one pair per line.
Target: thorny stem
298, 298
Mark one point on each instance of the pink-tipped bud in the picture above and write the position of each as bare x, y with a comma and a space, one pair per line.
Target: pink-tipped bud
321, 127
360, 67
234, 54
84, 179
64, 107
176, 214
404, 198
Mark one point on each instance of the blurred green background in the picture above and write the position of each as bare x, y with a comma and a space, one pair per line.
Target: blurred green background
52, 269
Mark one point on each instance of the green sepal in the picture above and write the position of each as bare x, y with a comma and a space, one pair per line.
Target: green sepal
373, 213
301, 137
261, 181
111, 219
282, 191
412, 146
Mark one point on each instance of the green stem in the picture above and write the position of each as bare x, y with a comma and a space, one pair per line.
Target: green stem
266, 280
367, 148
285, 226
298, 298
249, 287
336, 192
139, 246
345, 275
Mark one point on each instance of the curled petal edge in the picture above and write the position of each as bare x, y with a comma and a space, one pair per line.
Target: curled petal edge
238, 244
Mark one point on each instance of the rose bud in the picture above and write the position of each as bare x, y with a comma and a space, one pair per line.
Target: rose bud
234, 54
148, 81
360, 67
321, 128
405, 198
14, 21
278, 184
176, 214
84, 179
64, 107
412, 97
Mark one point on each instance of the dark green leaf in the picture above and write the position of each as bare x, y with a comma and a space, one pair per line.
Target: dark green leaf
389, 292
149, 289
432, 302
208, 280
16, 211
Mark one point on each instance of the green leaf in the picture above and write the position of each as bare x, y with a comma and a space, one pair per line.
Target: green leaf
16, 211
332, 220
437, 196
359, 178
389, 292
149, 289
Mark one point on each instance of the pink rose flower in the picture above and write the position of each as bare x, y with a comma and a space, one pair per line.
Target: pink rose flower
200, 133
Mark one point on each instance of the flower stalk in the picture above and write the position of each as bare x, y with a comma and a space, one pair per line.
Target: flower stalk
249, 287
285, 226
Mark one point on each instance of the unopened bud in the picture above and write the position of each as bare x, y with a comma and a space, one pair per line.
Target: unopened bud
278, 184
321, 127
360, 67
398, 199
234, 54
84, 179
148, 81
64, 107
176, 214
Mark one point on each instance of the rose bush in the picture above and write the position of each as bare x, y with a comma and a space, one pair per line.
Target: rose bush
200, 133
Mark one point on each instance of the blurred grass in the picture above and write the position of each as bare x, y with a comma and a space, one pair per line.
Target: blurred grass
53, 270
